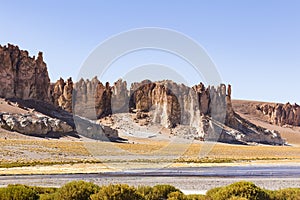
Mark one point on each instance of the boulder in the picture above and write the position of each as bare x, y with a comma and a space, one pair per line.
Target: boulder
31, 124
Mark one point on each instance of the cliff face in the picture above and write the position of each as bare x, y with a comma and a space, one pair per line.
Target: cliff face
22, 76
169, 103
281, 114
24, 79
159, 99
207, 110
92, 99
120, 97
61, 94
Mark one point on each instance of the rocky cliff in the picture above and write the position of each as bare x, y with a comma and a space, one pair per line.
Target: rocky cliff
207, 110
61, 94
25, 80
281, 114
22, 76
92, 99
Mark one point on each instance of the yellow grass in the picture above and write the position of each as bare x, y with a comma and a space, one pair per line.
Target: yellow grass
246, 152
67, 151
73, 147
20, 156
141, 148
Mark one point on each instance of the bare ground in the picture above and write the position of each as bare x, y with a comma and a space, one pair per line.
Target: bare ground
247, 110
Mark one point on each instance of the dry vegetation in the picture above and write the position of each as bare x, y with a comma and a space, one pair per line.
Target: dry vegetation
41, 151
241, 152
74, 154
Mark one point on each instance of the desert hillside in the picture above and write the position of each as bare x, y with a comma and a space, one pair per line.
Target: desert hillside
248, 110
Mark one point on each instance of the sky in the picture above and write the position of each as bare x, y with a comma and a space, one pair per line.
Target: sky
254, 44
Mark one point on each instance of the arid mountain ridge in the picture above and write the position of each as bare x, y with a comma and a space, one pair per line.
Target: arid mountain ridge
208, 110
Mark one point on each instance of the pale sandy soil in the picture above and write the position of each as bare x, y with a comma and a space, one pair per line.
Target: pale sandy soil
58, 169
11, 107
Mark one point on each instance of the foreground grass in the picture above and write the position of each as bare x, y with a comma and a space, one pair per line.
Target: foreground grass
80, 190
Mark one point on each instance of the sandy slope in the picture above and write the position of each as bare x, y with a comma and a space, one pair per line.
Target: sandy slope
247, 110
9, 107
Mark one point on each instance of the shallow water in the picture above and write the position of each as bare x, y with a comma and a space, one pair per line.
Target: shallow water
281, 171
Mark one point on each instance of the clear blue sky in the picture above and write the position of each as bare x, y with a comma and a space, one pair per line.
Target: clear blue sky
254, 44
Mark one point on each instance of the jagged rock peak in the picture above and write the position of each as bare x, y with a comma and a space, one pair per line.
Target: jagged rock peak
22, 76
207, 110
61, 94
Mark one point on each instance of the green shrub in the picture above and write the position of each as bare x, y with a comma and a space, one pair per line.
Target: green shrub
210, 193
161, 192
285, 194
75, 190
46, 193
80, 190
44, 190
237, 198
240, 189
18, 192
144, 190
117, 192
176, 196
196, 197
52, 196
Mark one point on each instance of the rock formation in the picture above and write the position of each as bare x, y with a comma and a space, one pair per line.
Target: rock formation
31, 124
120, 97
91, 129
169, 103
92, 99
206, 110
22, 76
25, 80
281, 114
103, 100
61, 94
